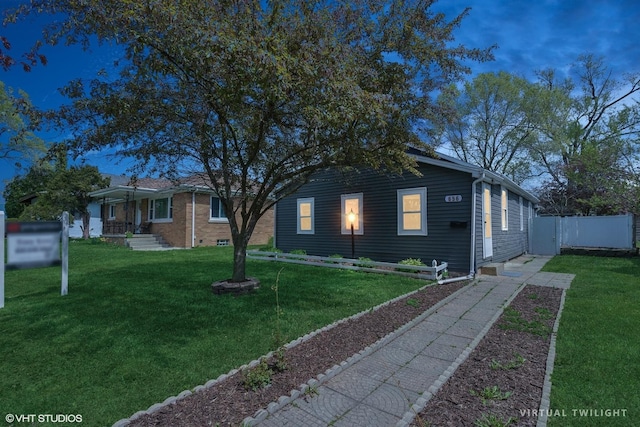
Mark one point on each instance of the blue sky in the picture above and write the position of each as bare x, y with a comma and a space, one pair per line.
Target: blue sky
531, 35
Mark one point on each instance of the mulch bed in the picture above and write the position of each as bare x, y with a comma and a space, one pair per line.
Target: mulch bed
228, 402
458, 402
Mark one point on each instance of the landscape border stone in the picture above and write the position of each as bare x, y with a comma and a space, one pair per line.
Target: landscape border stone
258, 416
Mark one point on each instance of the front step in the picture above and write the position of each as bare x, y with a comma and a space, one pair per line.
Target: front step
147, 242
493, 269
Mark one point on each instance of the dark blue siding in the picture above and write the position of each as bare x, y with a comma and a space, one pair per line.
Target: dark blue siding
380, 240
507, 244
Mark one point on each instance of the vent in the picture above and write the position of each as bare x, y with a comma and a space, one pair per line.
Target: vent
222, 242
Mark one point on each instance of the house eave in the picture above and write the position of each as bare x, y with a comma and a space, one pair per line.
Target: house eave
476, 172
122, 193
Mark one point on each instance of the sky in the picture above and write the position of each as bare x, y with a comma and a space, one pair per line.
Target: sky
530, 35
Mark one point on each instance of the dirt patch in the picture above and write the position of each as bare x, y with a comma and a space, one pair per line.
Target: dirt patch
228, 402
503, 377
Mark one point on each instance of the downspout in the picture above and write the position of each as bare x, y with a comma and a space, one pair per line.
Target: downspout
193, 219
472, 260
474, 209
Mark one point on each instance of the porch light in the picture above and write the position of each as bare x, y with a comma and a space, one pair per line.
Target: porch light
351, 216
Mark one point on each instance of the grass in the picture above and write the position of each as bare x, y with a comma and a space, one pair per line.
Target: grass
596, 365
138, 327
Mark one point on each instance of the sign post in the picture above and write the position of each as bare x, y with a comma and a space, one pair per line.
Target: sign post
2, 260
35, 244
64, 287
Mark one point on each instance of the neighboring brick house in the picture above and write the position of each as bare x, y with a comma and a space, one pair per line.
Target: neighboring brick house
185, 214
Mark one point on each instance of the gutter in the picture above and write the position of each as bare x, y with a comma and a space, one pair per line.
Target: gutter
472, 254
193, 219
456, 279
474, 197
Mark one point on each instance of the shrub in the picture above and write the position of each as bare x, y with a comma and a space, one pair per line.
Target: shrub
257, 377
336, 257
410, 261
298, 252
364, 262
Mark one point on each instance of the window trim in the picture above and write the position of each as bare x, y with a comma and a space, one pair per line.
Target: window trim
359, 227
504, 208
220, 219
152, 210
111, 207
400, 193
521, 202
311, 202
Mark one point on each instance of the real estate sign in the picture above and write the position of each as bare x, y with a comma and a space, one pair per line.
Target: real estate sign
35, 244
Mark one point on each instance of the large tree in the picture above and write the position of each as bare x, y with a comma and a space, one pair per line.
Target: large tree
55, 187
258, 95
588, 139
18, 143
488, 125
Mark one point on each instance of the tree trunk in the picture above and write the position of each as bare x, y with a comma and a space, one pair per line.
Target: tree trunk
239, 259
86, 220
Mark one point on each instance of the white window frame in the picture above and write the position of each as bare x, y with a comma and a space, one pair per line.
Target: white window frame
218, 217
311, 202
358, 227
153, 211
504, 208
521, 202
111, 211
422, 192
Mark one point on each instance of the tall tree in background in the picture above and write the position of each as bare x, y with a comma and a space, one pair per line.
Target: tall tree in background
488, 125
55, 187
18, 144
260, 95
588, 131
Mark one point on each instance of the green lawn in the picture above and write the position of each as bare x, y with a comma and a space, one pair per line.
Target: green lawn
597, 364
137, 327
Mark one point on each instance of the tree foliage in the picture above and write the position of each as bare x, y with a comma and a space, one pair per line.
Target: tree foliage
257, 95
489, 125
588, 132
18, 143
54, 188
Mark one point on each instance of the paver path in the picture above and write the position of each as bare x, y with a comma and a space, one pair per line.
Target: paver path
380, 387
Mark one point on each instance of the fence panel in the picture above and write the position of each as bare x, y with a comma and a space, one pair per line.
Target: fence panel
616, 232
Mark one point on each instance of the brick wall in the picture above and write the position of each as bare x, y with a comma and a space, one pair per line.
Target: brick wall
207, 231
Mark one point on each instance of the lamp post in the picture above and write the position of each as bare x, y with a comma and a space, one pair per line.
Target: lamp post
352, 218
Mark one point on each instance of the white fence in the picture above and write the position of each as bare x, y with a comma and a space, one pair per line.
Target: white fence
435, 272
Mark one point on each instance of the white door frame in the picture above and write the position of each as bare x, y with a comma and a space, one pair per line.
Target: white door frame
487, 223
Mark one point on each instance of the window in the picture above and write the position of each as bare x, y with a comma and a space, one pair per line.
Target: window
412, 212
306, 221
521, 213
112, 211
217, 212
351, 206
504, 209
161, 210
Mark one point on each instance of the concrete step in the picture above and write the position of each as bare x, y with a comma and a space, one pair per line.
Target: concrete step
147, 242
493, 269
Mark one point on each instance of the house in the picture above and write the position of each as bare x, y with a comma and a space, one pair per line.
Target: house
455, 212
75, 228
185, 214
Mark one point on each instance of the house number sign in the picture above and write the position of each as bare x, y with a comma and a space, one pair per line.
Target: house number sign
453, 199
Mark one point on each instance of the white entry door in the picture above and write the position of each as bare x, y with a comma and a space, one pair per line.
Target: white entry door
487, 246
